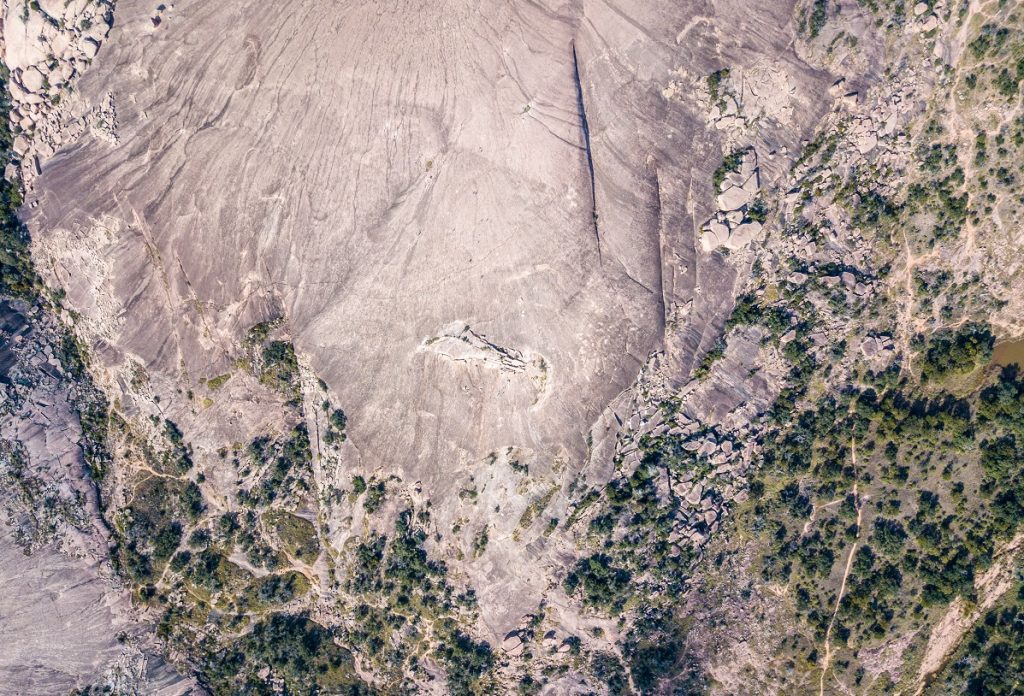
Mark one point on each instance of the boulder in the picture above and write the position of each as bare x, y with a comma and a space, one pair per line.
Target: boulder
866, 143
513, 644
32, 79
714, 236
73, 9
726, 122
21, 145
744, 234
693, 497
90, 47
753, 183
734, 198
749, 165
98, 31
732, 179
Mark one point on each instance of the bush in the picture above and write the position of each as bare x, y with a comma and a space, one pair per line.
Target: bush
950, 353
602, 584
731, 163
301, 654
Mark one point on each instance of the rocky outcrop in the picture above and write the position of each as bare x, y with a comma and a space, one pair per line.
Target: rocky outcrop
732, 226
47, 46
475, 275
67, 621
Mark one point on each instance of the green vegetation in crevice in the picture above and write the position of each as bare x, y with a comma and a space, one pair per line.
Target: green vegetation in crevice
730, 164
374, 493
280, 367
18, 278
715, 82
534, 510
817, 18
337, 421
297, 535
215, 383
273, 361
179, 457
716, 353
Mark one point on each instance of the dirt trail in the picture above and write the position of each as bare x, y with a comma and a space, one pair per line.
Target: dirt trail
826, 663
909, 325
946, 636
814, 515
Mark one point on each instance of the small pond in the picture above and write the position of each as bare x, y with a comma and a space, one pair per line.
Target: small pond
1009, 352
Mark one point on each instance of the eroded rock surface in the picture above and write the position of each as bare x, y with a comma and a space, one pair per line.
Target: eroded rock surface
374, 175
65, 620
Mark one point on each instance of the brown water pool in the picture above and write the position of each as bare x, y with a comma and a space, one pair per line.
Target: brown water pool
1009, 352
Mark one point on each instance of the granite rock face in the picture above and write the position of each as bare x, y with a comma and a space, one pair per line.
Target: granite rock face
476, 221
64, 621
378, 176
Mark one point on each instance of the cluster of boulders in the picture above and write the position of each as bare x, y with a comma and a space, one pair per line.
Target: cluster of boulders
515, 642
726, 114
704, 495
924, 19
873, 136
833, 258
878, 349
850, 251
47, 45
868, 136
732, 226
765, 90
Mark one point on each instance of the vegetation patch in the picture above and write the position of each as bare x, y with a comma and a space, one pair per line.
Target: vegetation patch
300, 654
297, 534
730, 164
273, 361
407, 608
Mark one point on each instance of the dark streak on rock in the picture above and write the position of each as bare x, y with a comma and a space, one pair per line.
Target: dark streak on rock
586, 142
